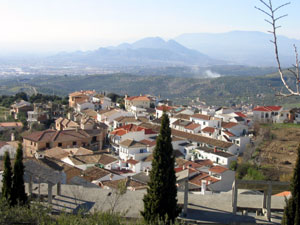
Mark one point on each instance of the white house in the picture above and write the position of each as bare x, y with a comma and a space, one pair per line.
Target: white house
236, 128
267, 114
218, 157
205, 120
81, 106
131, 149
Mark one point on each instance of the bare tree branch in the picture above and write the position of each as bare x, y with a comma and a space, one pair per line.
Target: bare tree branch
270, 12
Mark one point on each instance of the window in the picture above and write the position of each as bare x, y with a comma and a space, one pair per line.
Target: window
74, 143
203, 123
47, 145
59, 144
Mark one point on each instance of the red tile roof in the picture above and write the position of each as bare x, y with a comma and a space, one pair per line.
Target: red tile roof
241, 114
284, 194
147, 142
218, 169
132, 161
267, 108
164, 108
201, 116
203, 176
131, 128
229, 133
229, 124
192, 126
208, 130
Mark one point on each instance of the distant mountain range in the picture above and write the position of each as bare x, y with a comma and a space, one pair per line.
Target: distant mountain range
152, 51
241, 47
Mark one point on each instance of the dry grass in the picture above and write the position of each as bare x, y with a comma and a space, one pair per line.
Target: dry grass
278, 155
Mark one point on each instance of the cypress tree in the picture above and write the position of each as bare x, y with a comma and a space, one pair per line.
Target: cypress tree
7, 179
19, 195
160, 202
291, 215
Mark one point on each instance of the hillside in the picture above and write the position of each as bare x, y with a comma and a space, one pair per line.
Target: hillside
152, 51
276, 155
241, 47
216, 91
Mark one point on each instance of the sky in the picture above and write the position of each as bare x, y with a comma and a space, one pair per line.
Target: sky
69, 25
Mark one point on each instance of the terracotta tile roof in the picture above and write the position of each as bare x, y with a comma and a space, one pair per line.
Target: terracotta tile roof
87, 159
229, 133
241, 114
201, 116
95, 173
267, 108
218, 169
131, 184
229, 124
202, 176
208, 130
205, 162
11, 124
164, 108
132, 161
79, 151
192, 126
138, 98
130, 143
107, 159
91, 113
148, 142
284, 194
64, 135
131, 128
57, 153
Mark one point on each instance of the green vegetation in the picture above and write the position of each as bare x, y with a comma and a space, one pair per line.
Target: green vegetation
7, 100
247, 171
6, 193
228, 90
291, 215
19, 195
160, 202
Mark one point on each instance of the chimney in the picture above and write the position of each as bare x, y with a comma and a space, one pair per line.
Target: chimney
147, 172
12, 137
203, 187
183, 167
215, 150
111, 176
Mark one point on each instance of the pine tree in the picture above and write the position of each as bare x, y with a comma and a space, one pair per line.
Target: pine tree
7, 179
160, 202
19, 195
291, 214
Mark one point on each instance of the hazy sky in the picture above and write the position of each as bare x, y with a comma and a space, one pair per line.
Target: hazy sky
57, 25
